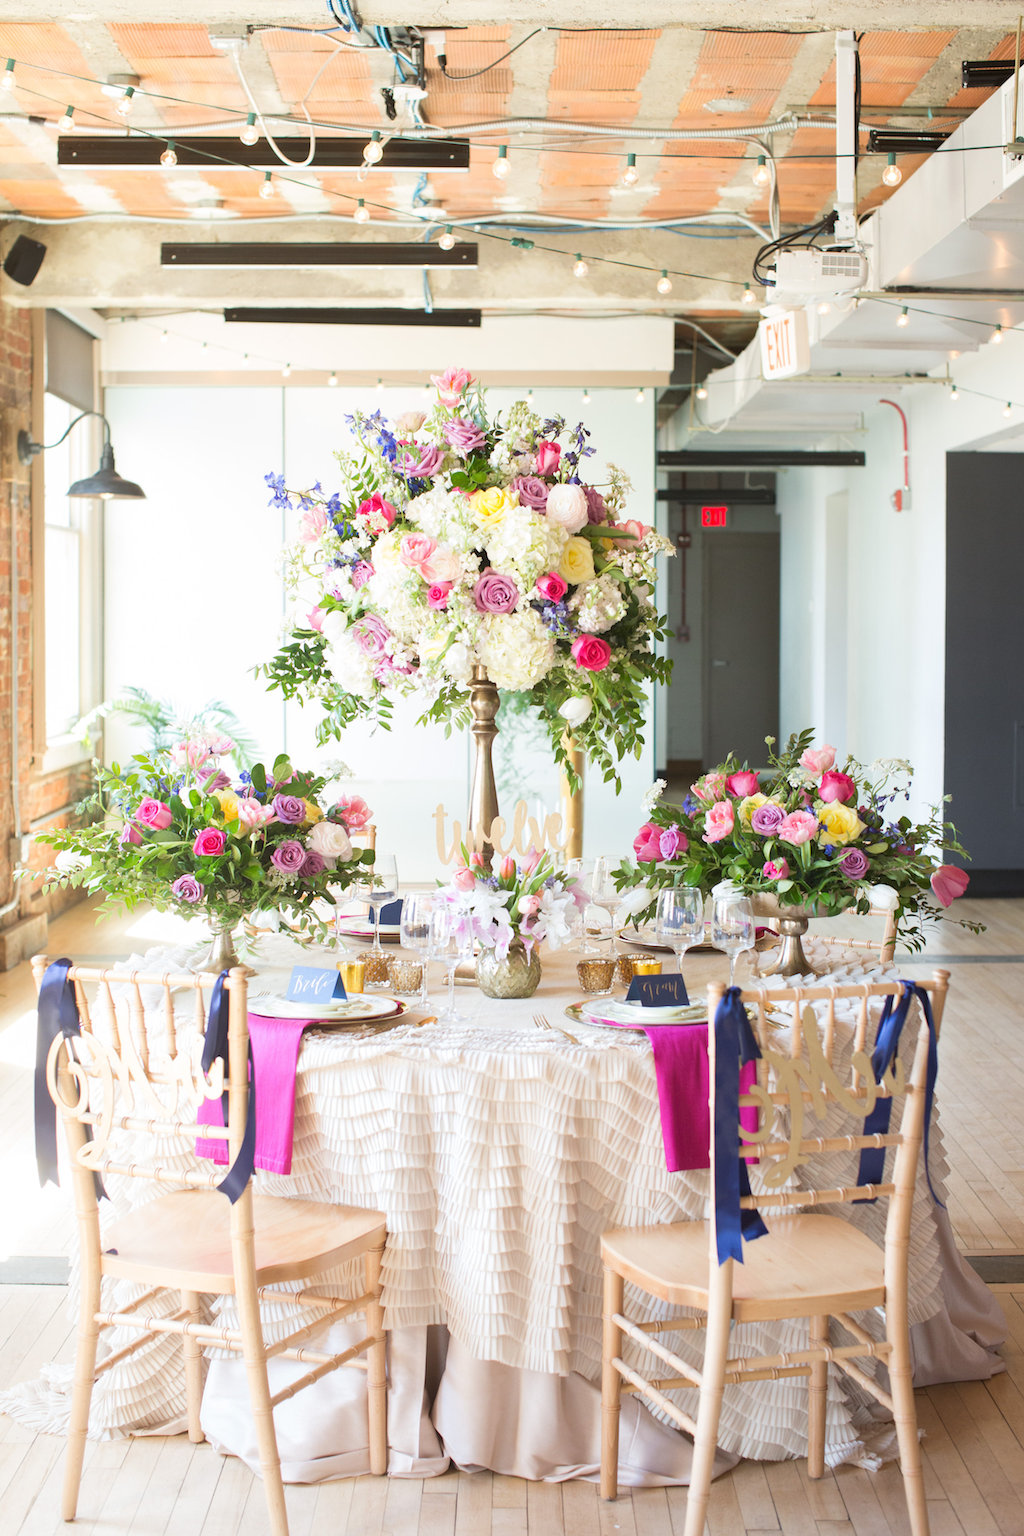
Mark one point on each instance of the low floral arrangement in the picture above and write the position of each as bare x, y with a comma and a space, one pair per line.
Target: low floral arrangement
807, 834
455, 542
531, 901
177, 832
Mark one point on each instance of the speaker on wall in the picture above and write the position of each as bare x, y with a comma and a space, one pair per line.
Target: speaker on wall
24, 259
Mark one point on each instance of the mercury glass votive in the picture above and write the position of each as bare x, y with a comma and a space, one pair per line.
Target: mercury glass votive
353, 974
405, 975
375, 969
625, 969
646, 965
596, 976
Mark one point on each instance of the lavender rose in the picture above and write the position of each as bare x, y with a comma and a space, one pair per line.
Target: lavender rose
419, 463
464, 436
597, 507
767, 819
312, 865
531, 492
289, 809
186, 888
495, 593
371, 635
854, 864
288, 857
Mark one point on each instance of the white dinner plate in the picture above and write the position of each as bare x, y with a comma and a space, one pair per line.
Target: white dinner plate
359, 928
353, 1010
614, 1015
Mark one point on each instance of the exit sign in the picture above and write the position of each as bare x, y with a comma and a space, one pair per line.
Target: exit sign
713, 517
784, 344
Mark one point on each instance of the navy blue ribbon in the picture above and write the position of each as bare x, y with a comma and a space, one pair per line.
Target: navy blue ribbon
890, 1028
215, 1048
735, 1042
57, 1014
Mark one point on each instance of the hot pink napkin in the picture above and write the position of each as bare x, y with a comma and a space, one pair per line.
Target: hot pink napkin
275, 1055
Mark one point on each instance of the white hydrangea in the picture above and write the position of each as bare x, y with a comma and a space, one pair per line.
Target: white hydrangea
445, 515
598, 605
524, 546
347, 664
515, 648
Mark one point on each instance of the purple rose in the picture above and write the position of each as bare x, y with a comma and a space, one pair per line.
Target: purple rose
186, 888
312, 865
464, 436
372, 635
361, 573
420, 464
289, 809
531, 492
495, 593
672, 842
597, 509
289, 856
854, 864
767, 819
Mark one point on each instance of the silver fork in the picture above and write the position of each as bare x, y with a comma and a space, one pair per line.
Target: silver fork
544, 1023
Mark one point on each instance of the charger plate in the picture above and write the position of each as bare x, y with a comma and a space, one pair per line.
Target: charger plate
359, 928
624, 1015
361, 1009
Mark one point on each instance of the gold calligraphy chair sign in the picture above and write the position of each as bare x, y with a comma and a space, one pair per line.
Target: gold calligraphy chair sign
126, 1071
806, 1264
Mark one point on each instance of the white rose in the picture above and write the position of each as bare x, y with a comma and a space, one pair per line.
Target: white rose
567, 507
575, 711
330, 840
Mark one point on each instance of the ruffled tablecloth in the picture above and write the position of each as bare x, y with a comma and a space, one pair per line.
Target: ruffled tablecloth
500, 1153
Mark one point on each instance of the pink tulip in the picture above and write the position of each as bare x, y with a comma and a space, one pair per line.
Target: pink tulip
741, 784
531, 861
315, 618
476, 859
948, 883
464, 880
507, 868
450, 385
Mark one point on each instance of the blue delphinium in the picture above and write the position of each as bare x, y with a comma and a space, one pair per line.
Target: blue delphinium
280, 497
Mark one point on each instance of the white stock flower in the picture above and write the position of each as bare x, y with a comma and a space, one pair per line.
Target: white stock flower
515, 648
651, 797
598, 605
349, 667
575, 710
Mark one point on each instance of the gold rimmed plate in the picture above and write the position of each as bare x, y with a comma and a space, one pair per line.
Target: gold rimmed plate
362, 1008
359, 928
610, 1014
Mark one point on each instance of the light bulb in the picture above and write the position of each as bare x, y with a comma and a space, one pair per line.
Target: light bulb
124, 106
332, 381
761, 176
67, 122
701, 392
1008, 408
892, 175
639, 397
169, 158
380, 385
824, 308
749, 296
447, 240
7, 82
954, 393
997, 336
286, 371
362, 213
664, 283
500, 167
953, 355
630, 175
245, 359
373, 152
586, 397
580, 268
250, 134
266, 186
903, 318
529, 394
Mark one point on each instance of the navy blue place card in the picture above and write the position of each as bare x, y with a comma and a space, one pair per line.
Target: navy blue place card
391, 913
314, 984
658, 991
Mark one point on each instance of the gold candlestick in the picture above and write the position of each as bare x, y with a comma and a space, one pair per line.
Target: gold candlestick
483, 800
572, 804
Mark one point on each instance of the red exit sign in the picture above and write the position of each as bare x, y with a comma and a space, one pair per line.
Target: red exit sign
713, 517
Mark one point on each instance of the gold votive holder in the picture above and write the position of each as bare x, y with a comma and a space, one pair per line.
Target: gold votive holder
596, 976
375, 970
646, 965
625, 969
353, 974
405, 976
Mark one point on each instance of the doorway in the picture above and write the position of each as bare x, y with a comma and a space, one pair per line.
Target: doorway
741, 645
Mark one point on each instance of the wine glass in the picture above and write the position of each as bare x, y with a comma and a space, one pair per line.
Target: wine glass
732, 927
377, 887
679, 922
451, 940
603, 898
417, 909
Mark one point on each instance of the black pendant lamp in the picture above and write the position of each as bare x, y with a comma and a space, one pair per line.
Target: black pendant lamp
106, 483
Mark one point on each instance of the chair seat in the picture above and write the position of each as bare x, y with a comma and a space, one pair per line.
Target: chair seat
183, 1240
806, 1266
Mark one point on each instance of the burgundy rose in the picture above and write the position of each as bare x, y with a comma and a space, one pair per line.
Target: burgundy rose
597, 507
531, 492
289, 809
465, 436
837, 786
494, 593
854, 864
767, 819
312, 865
371, 635
288, 857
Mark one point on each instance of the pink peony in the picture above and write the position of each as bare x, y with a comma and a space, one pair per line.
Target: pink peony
818, 760
552, 586
451, 384
837, 786
378, 512
647, 844
531, 492
354, 812
438, 594
719, 821
209, 843
637, 529
741, 784
775, 869
251, 813
591, 652
672, 842
415, 548
312, 524
948, 883
546, 457
443, 565
154, 814
798, 827
315, 618
464, 880
361, 573
710, 788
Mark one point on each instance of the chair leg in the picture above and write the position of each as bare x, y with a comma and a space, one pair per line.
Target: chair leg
817, 1400
376, 1373
901, 1386
193, 1352
254, 1352
716, 1350
81, 1395
611, 1386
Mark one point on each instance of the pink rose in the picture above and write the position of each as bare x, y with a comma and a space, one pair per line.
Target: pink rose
437, 595
415, 548
130, 834
531, 492
451, 385
948, 883
361, 573
464, 880
378, 512
464, 435
719, 822
371, 635
837, 786
186, 888
153, 813
410, 422
567, 507
354, 812
647, 844
591, 652
672, 842
312, 524
419, 463
288, 857
710, 788
546, 457
529, 905
798, 827
209, 843
443, 565
741, 784
818, 760
494, 593
775, 869
312, 865
315, 618
552, 586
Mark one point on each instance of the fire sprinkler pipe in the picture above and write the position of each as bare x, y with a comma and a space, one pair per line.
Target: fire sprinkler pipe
901, 498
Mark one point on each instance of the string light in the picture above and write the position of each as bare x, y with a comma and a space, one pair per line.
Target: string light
446, 240
266, 186
664, 283
639, 397
361, 214
333, 380
749, 296
586, 396
762, 176
286, 371
997, 336
7, 82
124, 106
903, 318
954, 394
824, 308
953, 355
380, 386
500, 166
373, 152
580, 268
892, 175
630, 175
1008, 408
169, 158
67, 122
163, 336
701, 392
245, 359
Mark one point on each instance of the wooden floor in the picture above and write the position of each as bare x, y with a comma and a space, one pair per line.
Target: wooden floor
974, 1433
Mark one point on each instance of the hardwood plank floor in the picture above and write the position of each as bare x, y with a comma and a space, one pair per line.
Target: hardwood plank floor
164, 1486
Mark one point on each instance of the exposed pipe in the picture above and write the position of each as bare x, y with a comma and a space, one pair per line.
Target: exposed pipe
901, 498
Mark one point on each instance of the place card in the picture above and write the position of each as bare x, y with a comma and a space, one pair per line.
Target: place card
313, 984
658, 991
391, 913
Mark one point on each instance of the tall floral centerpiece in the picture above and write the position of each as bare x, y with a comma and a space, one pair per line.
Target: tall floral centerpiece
461, 555
178, 832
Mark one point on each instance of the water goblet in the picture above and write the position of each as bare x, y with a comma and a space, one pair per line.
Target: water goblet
732, 927
377, 887
451, 940
415, 931
679, 922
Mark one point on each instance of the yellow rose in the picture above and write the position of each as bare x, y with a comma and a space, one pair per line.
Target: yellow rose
313, 812
841, 822
491, 507
228, 802
577, 562
748, 805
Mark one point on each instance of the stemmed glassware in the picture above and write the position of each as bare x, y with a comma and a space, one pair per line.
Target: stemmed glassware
451, 941
378, 887
732, 926
417, 910
679, 922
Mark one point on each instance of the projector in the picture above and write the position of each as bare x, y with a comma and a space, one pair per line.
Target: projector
810, 273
